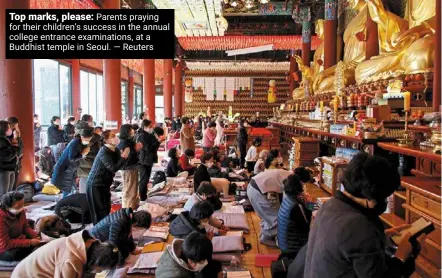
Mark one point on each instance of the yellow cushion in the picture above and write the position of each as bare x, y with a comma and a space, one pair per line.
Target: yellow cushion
50, 189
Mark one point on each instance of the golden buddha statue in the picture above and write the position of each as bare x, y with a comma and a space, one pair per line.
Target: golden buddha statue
307, 79
405, 47
354, 51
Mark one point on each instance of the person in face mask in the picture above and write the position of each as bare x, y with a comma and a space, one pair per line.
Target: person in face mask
130, 167
37, 130
108, 161
55, 132
69, 130
194, 220
147, 156
351, 220
9, 154
17, 239
188, 258
66, 167
78, 255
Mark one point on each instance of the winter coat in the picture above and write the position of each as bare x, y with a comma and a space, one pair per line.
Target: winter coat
116, 228
37, 131
182, 226
172, 168
148, 154
57, 150
201, 174
60, 258
88, 160
170, 264
132, 160
348, 240
15, 231
74, 208
187, 139
66, 167
293, 226
209, 138
47, 161
68, 132
55, 135
184, 163
8, 155
106, 164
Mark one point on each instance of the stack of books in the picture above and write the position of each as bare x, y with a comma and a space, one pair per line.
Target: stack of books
156, 234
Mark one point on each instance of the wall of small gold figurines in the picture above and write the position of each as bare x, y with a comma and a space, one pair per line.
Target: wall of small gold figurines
245, 103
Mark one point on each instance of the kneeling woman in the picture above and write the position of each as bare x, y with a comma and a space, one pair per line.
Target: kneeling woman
78, 255
106, 164
17, 239
263, 192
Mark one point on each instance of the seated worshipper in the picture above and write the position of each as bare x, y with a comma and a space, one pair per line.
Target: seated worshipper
17, 239
274, 160
252, 153
188, 258
173, 165
74, 209
52, 226
347, 238
262, 192
201, 174
194, 220
65, 169
117, 228
185, 164
78, 255
293, 218
108, 161
46, 162
260, 163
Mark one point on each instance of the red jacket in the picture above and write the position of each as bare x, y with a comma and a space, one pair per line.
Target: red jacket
184, 163
15, 231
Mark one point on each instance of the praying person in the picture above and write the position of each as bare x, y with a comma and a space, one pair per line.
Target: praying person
194, 220
187, 133
69, 130
173, 165
209, 136
9, 151
185, 161
55, 132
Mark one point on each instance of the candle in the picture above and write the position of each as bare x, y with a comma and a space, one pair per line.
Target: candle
321, 106
407, 98
296, 107
335, 104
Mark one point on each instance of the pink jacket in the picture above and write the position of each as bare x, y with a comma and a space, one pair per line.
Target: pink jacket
209, 138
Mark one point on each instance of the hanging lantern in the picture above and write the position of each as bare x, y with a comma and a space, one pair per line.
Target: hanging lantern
271, 96
188, 91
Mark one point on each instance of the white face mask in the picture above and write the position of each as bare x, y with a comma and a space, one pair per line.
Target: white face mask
115, 141
280, 160
209, 164
149, 130
199, 266
15, 211
9, 132
84, 142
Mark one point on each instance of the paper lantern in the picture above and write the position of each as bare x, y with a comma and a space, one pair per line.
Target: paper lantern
271, 96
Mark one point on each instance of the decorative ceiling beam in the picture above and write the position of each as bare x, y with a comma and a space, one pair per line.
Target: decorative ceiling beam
237, 42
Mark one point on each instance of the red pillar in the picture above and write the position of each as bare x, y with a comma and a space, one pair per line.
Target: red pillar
16, 98
372, 42
112, 79
436, 77
178, 99
183, 103
167, 87
149, 88
306, 42
330, 33
130, 93
76, 94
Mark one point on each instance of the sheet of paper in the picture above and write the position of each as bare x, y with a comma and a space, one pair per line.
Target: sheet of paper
238, 274
159, 229
161, 235
235, 233
148, 260
233, 209
178, 211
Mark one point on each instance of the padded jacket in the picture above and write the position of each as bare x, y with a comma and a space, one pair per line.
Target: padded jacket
148, 155
182, 226
87, 162
116, 228
69, 132
132, 161
172, 168
201, 174
106, 164
55, 135
8, 155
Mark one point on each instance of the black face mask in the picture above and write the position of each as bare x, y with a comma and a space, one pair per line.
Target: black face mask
380, 207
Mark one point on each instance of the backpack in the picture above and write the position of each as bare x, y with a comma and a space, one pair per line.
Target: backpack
159, 177
28, 190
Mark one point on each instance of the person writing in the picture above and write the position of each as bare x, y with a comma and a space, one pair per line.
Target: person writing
185, 162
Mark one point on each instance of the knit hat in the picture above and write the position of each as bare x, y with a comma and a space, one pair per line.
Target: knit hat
87, 132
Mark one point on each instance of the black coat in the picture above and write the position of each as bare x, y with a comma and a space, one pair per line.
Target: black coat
47, 161
242, 137
37, 131
55, 135
8, 155
172, 168
69, 132
74, 208
106, 164
148, 155
182, 226
87, 162
116, 228
132, 160
348, 240
66, 167
201, 174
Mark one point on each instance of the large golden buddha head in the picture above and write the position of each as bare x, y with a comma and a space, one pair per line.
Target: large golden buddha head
319, 28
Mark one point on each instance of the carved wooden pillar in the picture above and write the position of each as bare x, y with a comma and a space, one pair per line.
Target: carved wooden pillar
330, 33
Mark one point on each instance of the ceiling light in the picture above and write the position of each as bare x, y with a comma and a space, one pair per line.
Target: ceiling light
264, 1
